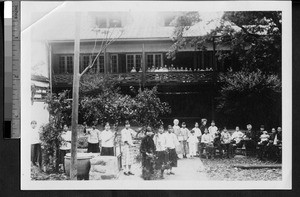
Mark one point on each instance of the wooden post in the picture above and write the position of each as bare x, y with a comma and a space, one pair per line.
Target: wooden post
214, 79
214, 55
143, 65
195, 60
50, 66
202, 58
75, 98
105, 62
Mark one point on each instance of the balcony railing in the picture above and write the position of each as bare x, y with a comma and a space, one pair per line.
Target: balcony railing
149, 78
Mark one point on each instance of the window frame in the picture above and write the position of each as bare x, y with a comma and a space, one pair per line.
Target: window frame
134, 61
63, 65
111, 64
154, 61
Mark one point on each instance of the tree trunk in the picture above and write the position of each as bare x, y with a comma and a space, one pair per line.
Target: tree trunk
76, 78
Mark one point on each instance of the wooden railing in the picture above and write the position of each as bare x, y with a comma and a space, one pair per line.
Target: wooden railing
149, 78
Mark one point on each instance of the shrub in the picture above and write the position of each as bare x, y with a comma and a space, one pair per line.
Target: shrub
250, 97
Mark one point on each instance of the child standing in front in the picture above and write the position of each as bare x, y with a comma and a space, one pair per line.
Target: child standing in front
192, 142
198, 134
177, 132
184, 134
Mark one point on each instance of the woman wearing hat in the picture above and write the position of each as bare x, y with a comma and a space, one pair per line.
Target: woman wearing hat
147, 150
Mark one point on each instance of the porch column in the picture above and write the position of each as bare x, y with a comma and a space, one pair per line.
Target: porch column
202, 58
105, 62
143, 65
195, 60
50, 66
214, 55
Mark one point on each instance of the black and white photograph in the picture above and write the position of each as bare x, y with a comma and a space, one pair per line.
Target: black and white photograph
156, 95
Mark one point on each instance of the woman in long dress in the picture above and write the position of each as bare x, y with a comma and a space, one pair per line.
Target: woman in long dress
127, 148
147, 150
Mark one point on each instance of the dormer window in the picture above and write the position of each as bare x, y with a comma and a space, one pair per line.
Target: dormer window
115, 22
108, 21
101, 22
168, 20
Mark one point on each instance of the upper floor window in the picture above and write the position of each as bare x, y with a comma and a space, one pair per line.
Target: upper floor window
168, 20
154, 60
133, 62
98, 66
114, 63
66, 64
108, 21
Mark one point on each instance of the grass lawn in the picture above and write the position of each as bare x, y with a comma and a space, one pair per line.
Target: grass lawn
223, 169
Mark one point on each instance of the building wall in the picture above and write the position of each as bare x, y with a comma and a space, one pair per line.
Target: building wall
39, 113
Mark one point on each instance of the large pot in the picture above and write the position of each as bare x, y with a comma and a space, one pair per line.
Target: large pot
83, 165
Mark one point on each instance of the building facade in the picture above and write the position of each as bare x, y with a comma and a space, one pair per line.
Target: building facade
138, 58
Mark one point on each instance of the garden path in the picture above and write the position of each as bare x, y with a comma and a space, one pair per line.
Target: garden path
188, 169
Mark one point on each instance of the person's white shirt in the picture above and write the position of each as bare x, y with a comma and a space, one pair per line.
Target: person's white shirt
93, 136
66, 143
206, 138
197, 132
184, 133
160, 141
237, 136
177, 132
192, 139
212, 130
171, 140
107, 138
35, 136
126, 135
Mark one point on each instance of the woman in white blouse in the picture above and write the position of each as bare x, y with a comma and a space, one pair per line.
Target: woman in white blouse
127, 148
171, 143
160, 145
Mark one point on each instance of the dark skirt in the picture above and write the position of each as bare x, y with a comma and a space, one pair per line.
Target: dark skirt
172, 157
162, 159
93, 148
107, 151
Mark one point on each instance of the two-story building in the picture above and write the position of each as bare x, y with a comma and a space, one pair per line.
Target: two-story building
137, 58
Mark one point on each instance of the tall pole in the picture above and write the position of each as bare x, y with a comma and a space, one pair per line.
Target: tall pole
75, 98
214, 79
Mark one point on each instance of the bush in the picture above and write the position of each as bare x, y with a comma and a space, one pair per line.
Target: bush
82, 142
51, 141
250, 97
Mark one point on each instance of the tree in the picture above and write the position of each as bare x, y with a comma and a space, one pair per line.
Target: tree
253, 37
106, 41
250, 97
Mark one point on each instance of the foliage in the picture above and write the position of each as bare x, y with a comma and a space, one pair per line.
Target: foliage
37, 174
254, 39
82, 142
250, 97
150, 108
104, 103
51, 140
60, 109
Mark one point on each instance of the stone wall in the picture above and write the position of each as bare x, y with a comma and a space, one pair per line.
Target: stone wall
104, 167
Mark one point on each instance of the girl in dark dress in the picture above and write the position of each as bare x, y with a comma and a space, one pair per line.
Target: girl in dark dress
147, 150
